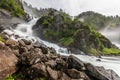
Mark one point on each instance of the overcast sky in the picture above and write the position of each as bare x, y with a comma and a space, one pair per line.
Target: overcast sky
74, 7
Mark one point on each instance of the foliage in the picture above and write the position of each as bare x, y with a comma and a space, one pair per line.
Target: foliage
42, 78
67, 41
98, 21
1, 39
93, 51
15, 7
48, 21
15, 77
59, 27
111, 51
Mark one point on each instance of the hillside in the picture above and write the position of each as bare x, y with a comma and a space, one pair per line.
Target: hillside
58, 27
98, 20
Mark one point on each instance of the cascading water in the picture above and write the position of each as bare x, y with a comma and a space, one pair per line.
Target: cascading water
24, 30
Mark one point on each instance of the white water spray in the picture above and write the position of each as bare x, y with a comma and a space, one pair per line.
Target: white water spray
112, 34
24, 30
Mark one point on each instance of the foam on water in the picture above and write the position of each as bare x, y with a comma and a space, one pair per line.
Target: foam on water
24, 30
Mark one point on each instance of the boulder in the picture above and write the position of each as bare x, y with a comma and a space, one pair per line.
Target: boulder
8, 61
75, 74
38, 70
74, 62
99, 73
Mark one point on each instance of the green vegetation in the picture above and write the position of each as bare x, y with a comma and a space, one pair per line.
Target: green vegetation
1, 39
67, 41
14, 6
15, 77
42, 78
59, 27
113, 51
99, 21
93, 51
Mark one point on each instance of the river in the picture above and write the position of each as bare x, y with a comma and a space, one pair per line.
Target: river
24, 30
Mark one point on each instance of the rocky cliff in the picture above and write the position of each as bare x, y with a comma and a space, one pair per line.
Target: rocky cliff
58, 27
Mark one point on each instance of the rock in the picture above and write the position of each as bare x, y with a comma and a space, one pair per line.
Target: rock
99, 73
75, 74
61, 64
52, 73
21, 43
113, 75
33, 57
98, 59
11, 42
51, 63
38, 70
74, 62
27, 42
63, 76
8, 62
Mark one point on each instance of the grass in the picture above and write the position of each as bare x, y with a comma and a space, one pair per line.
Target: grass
13, 6
112, 51
15, 77
67, 41
1, 39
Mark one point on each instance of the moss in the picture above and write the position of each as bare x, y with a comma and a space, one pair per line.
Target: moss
1, 39
14, 6
109, 51
42, 78
15, 77
48, 20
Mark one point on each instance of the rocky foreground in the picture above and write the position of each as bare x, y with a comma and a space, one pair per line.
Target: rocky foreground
24, 60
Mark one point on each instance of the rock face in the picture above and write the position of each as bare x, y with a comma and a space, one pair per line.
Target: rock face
36, 61
58, 27
8, 61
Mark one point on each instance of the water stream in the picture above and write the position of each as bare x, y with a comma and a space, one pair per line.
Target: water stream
24, 30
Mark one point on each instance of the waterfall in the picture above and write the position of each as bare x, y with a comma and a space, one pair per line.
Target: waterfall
24, 30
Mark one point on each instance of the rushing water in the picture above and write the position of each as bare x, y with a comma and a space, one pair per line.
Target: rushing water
24, 30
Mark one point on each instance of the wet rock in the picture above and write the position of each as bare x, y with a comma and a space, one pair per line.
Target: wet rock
98, 59
27, 42
21, 43
8, 61
99, 73
113, 75
74, 62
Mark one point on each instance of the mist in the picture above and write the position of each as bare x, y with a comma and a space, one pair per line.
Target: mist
113, 35
74, 7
